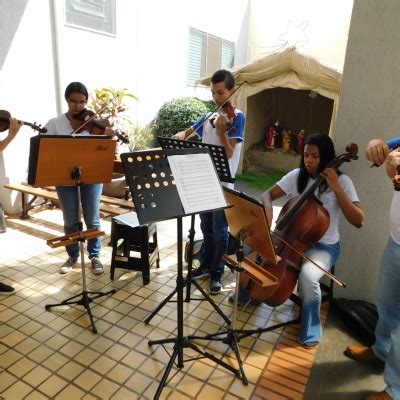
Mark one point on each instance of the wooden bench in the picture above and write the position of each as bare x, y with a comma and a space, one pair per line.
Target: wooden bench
108, 205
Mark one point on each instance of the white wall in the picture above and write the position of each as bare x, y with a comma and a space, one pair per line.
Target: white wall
369, 108
148, 56
26, 83
315, 27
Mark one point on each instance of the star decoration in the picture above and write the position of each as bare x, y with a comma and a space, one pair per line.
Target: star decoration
294, 34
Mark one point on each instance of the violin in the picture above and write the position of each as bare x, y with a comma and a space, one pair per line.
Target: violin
228, 111
5, 123
95, 126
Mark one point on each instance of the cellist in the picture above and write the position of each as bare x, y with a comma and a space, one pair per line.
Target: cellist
337, 194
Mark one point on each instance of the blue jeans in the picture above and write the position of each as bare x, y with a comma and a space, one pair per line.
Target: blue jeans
215, 234
387, 332
90, 200
325, 255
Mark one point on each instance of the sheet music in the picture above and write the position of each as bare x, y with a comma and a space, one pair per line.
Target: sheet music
197, 182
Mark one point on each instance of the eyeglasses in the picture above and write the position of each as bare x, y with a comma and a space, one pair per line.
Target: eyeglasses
77, 102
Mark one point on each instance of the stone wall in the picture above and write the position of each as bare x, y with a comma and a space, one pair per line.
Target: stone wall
260, 160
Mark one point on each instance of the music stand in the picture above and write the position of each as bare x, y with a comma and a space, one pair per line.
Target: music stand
247, 222
66, 160
155, 195
221, 164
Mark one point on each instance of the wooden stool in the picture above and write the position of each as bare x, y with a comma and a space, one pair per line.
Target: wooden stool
128, 236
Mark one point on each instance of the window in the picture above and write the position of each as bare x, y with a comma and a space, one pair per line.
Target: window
97, 15
207, 53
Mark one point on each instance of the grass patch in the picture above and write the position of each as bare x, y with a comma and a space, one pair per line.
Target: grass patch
261, 181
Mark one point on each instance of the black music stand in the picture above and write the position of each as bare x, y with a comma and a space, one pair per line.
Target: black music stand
156, 198
65, 160
221, 164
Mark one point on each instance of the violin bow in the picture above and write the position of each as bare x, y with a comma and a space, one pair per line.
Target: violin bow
215, 110
333, 277
96, 113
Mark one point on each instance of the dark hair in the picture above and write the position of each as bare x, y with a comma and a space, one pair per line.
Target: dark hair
76, 87
223, 75
326, 154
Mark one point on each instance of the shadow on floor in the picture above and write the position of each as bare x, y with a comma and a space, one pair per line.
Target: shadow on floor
336, 377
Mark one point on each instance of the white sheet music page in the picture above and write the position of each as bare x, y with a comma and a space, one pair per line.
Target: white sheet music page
197, 182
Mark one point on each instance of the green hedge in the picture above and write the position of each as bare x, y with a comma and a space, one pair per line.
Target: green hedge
179, 114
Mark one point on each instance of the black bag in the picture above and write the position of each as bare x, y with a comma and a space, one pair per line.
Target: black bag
360, 317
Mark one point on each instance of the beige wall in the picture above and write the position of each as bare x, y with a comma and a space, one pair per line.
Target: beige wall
369, 107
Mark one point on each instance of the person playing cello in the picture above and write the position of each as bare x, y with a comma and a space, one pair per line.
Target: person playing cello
337, 194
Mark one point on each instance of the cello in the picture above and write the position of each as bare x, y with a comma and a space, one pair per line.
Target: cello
302, 222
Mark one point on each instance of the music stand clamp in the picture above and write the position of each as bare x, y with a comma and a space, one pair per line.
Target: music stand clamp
86, 158
156, 198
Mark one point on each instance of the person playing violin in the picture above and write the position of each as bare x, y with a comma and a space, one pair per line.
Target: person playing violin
15, 125
386, 349
219, 131
77, 96
337, 195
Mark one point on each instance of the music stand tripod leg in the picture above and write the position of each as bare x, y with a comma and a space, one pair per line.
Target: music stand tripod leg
232, 339
180, 341
188, 282
85, 298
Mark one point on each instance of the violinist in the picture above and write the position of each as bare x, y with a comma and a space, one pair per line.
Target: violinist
227, 131
337, 194
77, 96
15, 125
386, 349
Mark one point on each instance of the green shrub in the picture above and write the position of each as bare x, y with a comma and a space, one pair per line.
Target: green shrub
178, 115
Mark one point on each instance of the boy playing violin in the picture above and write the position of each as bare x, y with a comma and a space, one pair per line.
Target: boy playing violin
217, 130
15, 125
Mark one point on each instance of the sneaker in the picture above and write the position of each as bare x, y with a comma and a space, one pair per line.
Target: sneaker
200, 272
363, 354
309, 345
97, 266
6, 290
67, 266
243, 302
215, 286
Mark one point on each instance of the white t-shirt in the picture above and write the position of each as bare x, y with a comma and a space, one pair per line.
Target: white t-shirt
61, 126
328, 199
394, 217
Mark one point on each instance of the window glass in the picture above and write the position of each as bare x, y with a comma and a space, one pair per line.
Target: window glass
98, 15
207, 53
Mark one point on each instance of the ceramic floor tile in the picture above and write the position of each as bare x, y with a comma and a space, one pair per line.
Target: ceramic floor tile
55, 354
52, 386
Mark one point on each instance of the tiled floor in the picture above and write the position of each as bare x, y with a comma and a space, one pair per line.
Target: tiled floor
55, 355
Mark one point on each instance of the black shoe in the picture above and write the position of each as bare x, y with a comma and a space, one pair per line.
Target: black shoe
6, 290
200, 272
